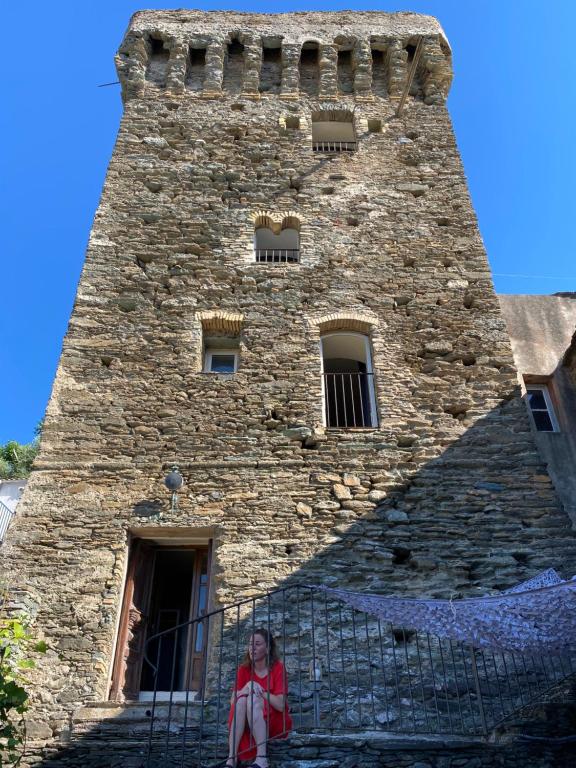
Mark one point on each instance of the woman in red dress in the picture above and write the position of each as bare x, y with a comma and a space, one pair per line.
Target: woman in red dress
259, 704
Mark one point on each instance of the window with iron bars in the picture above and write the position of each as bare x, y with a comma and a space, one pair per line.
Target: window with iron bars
283, 248
333, 135
348, 382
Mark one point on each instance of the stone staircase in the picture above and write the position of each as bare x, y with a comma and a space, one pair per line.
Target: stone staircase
116, 736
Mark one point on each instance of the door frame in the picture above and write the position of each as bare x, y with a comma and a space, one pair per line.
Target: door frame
127, 611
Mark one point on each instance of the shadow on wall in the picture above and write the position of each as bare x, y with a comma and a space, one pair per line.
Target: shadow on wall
478, 517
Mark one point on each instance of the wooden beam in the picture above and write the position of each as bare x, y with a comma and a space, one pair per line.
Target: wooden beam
410, 77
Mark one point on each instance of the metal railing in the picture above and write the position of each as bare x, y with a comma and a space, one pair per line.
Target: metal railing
277, 255
347, 671
6, 515
334, 146
348, 400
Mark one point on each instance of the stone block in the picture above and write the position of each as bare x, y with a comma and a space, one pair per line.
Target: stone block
341, 492
396, 516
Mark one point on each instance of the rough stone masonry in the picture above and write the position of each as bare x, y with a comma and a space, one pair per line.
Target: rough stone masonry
442, 494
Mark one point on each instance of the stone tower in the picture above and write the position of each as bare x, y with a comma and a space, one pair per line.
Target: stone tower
286, 295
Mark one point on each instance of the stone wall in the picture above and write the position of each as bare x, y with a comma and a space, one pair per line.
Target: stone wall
447, 496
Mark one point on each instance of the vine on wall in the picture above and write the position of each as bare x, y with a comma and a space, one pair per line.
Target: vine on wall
16, 645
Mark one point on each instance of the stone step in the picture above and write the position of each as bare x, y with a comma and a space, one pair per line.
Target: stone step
360, 750
119, 735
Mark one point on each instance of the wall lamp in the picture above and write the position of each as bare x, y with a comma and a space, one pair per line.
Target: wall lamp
174, 481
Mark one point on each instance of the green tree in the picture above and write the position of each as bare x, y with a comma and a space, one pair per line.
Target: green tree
16, 458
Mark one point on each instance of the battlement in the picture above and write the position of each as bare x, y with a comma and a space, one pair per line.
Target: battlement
361, 56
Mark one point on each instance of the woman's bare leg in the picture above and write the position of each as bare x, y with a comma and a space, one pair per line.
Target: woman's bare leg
257, 725
237, 727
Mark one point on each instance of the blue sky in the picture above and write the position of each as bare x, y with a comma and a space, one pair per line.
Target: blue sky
512, 104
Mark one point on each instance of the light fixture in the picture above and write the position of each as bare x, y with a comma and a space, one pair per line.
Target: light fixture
174, 481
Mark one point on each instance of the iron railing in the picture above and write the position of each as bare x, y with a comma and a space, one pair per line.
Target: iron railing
348, 400
6, 515
334, 146
347, 671
277, 255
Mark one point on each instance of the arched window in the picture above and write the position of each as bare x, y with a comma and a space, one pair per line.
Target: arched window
348, 381
277, 243
333, 131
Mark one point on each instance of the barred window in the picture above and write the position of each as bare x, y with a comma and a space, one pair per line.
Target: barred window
348, 381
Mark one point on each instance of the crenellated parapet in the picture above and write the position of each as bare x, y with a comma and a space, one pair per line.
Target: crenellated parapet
362, 56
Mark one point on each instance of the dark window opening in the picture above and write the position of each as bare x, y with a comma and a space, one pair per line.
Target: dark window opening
292, 122
415, 88
233, 67
271, 55
157, 62
379, 76
345, 72
310, 69
156, 46
195, 69
271, 70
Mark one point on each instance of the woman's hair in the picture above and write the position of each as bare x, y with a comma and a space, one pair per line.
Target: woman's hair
272, 655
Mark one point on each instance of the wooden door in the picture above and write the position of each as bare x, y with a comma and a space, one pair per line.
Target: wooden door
133, 623
198, 637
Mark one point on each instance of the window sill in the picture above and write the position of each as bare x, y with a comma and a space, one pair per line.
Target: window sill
217, 373
547, 431
352, 429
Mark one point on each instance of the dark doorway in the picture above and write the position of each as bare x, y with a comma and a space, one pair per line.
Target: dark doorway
165, 587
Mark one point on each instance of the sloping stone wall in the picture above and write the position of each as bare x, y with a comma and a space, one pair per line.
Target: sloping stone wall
446, 497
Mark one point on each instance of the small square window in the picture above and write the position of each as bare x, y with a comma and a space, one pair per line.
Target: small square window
292, 122
541, 408
374, 125
221, 361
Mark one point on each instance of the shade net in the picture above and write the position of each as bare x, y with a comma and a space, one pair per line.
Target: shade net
535, 616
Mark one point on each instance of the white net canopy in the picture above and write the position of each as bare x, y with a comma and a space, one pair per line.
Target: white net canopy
535, 616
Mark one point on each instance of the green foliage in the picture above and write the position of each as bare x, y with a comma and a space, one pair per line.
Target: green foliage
16, 459
15, 645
